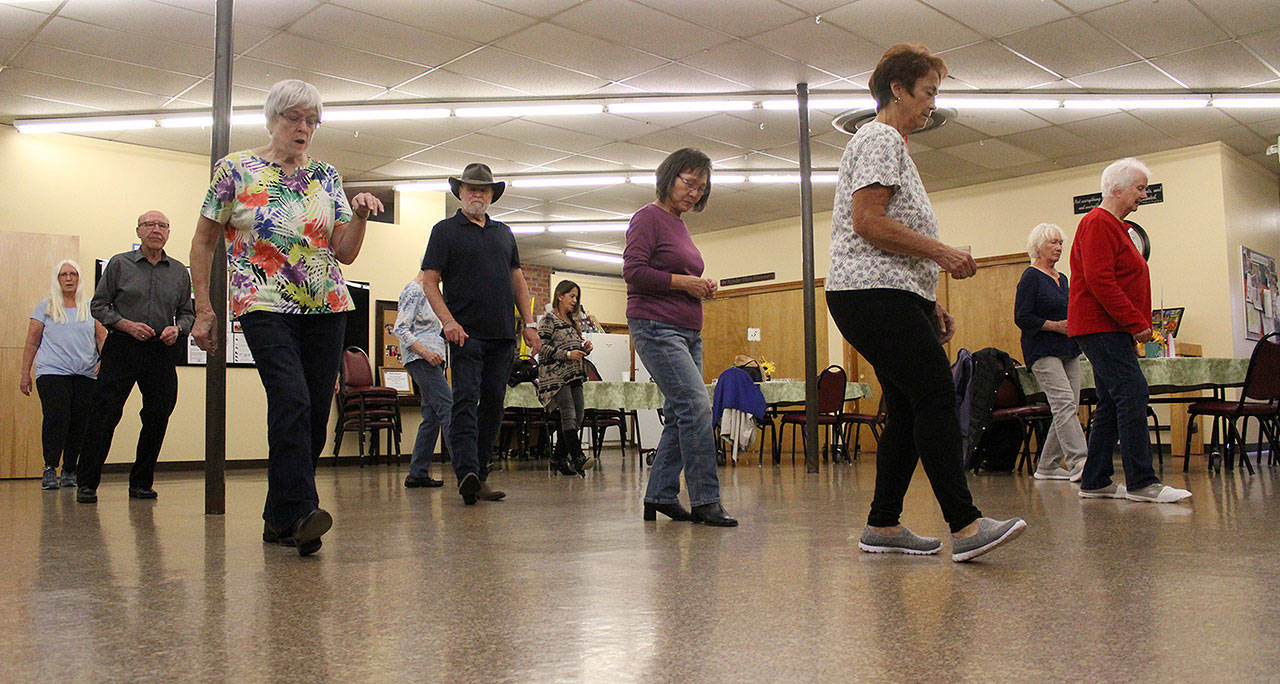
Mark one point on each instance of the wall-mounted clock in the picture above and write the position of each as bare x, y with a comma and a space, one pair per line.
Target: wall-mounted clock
1140, 239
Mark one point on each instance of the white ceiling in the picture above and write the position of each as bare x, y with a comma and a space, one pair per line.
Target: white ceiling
86, 56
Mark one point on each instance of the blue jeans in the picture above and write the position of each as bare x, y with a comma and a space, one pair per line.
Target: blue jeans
437, 402
297, 356
480, 370
1121, 413
673, 356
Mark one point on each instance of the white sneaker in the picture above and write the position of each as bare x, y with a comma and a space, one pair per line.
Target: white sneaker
1158, 493
1077, 470
1111, 491
1055, 473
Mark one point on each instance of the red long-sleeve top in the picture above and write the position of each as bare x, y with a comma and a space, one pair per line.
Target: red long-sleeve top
1110, 283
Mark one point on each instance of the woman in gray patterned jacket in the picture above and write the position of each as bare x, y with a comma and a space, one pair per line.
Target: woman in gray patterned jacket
561, 372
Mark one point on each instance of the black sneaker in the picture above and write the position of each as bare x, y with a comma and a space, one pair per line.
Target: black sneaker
413, 482
49, 480
86, 495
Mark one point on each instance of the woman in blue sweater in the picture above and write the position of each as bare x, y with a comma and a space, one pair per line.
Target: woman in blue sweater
1040, 310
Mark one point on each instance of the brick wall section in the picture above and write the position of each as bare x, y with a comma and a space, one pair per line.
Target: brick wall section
539, 279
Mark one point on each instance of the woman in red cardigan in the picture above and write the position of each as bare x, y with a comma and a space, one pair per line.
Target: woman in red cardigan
1108, 310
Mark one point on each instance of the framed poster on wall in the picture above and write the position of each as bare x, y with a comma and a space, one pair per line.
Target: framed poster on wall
1260, 294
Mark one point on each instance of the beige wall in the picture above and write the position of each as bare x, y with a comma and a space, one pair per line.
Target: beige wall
604, 297
1252, 220
95, 190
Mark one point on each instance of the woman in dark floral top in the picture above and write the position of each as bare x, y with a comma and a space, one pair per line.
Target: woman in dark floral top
560, 374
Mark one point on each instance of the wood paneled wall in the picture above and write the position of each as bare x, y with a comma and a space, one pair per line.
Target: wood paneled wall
26, 271
983, 305
778, 310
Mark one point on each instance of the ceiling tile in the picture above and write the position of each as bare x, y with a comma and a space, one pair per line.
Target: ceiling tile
1082, 6
755, 67
18, 22
628, 23
1266, 45
677, 78
631, 154
523, 74
546, 42
559, 135
1241, 18
993, 154
468, 20
1153, 31
59, 62
412, 168
1053, 141
998, 123
1268, 129
349, 136
1119, 131
514, 155
673, 139
894, 21
1176, 122
538, 9
326, 58
1057, 46
1138, 75
994, 18
149, 19
583, 162
1225, 65
111, 43
66, 95
823, 45
954, 133
940, 164
444, 84
276, 14
1245, 141
395, 39
739, 18
987, 65
259, 74
743, 131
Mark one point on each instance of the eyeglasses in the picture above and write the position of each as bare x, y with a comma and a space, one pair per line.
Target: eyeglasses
693, 185
294, 119
154, 224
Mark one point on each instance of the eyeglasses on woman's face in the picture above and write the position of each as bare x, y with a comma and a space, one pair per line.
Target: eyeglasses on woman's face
693, 184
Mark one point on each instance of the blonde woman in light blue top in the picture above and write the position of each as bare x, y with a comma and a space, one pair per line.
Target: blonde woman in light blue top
63, 341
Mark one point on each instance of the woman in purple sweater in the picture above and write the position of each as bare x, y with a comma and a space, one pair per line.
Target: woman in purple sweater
665, 289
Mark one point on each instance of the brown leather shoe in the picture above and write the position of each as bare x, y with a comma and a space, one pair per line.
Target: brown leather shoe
488, 494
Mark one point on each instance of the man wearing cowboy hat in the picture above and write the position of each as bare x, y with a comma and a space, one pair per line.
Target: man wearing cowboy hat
476, 259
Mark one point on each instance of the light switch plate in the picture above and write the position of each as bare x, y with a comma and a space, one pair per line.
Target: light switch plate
753, 334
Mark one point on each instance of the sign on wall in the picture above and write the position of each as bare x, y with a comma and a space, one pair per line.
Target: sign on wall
1083, 204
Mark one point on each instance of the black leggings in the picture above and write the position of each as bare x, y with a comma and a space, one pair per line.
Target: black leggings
64, 400
897, 332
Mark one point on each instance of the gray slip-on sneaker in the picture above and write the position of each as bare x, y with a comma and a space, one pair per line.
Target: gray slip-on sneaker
1158, 493
1054, 473
908, 542
1111, 491
991, 533
1077, 470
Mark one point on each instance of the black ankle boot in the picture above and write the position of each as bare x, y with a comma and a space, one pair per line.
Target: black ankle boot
559, 457
713, 514
672, 510
577, 459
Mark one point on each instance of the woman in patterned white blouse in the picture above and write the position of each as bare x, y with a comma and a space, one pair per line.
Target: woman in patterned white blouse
885, 258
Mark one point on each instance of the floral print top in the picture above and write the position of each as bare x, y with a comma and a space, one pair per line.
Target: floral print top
278, 230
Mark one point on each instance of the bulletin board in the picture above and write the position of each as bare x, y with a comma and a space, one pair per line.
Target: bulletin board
1260, 294
388, 356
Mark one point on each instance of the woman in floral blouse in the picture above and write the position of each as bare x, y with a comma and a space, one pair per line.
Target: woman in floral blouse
561, 372
287, 225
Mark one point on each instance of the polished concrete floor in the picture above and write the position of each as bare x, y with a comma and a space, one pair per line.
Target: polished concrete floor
563, 582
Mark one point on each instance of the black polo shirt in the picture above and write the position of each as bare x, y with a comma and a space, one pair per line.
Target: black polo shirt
475, 271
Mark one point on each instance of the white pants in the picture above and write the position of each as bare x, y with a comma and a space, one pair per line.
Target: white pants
1064, 445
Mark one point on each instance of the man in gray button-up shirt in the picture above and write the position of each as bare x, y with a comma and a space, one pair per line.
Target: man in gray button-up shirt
144, 300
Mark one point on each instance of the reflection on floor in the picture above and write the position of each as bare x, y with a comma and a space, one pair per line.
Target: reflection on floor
563, 581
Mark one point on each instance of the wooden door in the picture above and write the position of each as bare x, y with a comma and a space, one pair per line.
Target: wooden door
27, 273
778, 311
983, 306
724, 334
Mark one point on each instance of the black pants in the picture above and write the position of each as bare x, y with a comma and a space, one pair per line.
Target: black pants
126, 362
297, 356
479, 370
64, 401
896, 331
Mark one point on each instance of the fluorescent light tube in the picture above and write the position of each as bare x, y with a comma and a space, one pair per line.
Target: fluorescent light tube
383, 113
961, 102
1247, 101
528, 110
567, 181
593, 256
681, 106
606, 227
527, 229
1175, 102
839, 103
423, 186
85, 125
206, 120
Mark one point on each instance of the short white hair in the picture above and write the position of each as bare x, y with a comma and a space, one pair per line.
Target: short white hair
1121, 175
1040, 236
291, 93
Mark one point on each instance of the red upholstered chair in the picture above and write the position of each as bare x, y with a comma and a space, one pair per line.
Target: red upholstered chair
365, 408
1260, 399
853, 422
831, 385
1032, 418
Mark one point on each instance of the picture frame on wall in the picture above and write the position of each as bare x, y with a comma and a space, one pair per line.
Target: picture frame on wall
398, 380
1261, 299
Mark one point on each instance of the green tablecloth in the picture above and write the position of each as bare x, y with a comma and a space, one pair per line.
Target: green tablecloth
645, 395
1165, 375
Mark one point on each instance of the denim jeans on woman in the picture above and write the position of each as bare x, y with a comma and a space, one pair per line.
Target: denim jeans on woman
437, 408
673, 357
297, 356
1121, 413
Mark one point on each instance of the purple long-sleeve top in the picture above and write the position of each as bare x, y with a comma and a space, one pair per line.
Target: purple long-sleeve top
658, 246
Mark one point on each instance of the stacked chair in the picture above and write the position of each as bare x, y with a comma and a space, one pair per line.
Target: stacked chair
365, 408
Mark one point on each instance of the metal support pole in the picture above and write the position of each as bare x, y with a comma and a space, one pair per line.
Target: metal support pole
810, 325
215, 383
